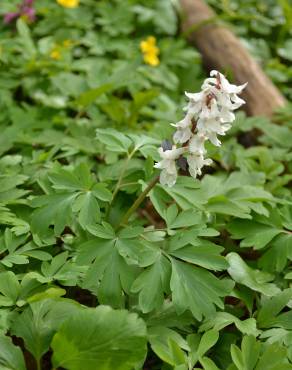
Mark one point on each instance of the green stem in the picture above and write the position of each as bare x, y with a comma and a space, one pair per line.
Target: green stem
138, 201
38, 363
119, 183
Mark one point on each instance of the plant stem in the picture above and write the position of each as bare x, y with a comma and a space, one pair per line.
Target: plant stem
119, 183
38, 363
138, 201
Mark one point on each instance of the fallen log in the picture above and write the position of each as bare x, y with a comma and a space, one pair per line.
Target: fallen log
223, 51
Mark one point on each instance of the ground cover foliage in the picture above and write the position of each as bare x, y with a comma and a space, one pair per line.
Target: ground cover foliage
200, 275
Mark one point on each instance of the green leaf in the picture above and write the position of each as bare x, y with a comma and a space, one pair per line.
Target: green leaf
274, 358
9, 288
165, 17
185, 219
37, 324
202, 253
25, 36
47, 294
12, 249
254, 279
256, 356
247, 357
110, 290
88, 208
196, 289
161, 340
286, 50
151, 285
114, 140
280, 135
11, 357
131, 232
78, 179
234, 195
104, 231
101, 192
208, 340
275, 258
208, 364
272, 306
109, 275
250, 351
101, 338
222, 319
119, 14
54, 210
69, 84
65, 180
61, 268
88, 97
254, 234
237, 357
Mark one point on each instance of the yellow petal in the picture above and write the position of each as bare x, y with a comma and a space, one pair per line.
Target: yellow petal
55, 54
150, 51
67, 43
143, 46
151, 59
151, 40
68, 3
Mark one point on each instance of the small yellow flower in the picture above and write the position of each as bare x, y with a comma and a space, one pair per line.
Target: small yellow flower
68, 3
55, 54
67, 43
148, 44
150, 51
151, 59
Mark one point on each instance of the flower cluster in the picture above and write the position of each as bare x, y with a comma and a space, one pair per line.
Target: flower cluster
150, 51
208, 114
69, 3
26, 10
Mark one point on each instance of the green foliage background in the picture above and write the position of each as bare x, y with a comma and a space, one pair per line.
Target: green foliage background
200, 277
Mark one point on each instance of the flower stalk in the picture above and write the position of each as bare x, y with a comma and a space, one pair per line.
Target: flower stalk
138, 201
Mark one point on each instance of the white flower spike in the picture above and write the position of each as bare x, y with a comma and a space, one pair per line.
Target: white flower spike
209, 113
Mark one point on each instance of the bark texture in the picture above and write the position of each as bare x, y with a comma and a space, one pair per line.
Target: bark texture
223, 51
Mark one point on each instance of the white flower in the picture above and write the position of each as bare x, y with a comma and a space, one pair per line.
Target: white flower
195, 158
168, 174
211, 110
226, 115
211, 128
224, 91
197, 144
237, 101
195, 97
196, 162
226, 86
229, 101
220, 102
184, 132
196, 102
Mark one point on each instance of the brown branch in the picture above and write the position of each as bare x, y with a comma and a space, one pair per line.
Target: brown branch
223, 51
